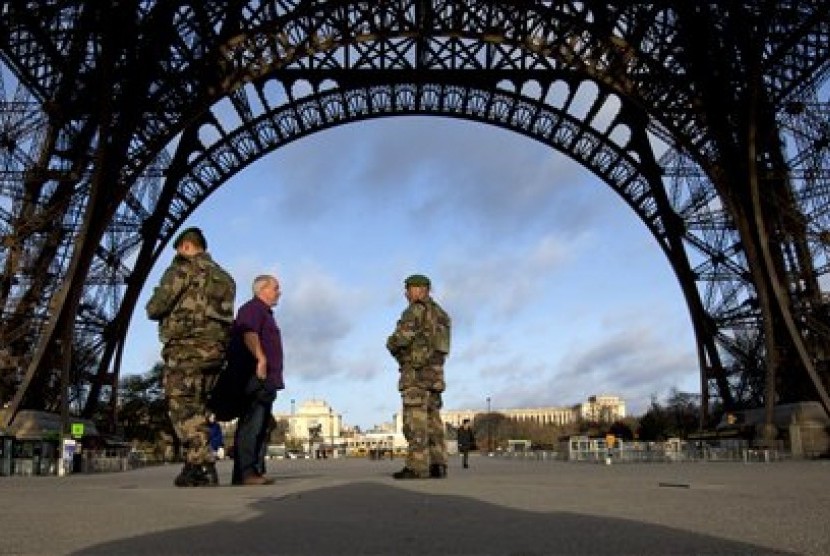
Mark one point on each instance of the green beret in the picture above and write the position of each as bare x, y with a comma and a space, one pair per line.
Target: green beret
193, 235
417, 280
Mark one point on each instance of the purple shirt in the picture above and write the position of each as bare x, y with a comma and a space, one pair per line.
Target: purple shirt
256, 316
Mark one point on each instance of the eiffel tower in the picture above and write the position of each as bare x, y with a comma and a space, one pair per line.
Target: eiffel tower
708, 119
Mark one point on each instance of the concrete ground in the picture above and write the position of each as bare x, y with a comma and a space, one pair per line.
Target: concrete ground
347, 506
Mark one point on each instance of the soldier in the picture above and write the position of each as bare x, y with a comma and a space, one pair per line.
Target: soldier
420, 344
193, 304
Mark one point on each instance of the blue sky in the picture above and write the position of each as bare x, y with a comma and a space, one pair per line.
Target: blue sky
557, 291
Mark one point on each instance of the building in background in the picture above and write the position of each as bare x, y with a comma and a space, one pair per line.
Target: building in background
317, 426
602, 408
605, 408
321, 430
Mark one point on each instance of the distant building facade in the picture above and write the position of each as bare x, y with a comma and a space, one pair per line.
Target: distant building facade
311, 416
336, 438
602, 408
318, 415
605, 408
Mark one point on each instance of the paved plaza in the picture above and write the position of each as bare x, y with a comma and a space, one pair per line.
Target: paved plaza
498, 506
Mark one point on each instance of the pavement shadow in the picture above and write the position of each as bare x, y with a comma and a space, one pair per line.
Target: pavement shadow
373, 518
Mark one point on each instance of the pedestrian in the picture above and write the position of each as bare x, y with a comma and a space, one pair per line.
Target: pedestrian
256, 349
193, 305
466, 442
216, 438
420, 344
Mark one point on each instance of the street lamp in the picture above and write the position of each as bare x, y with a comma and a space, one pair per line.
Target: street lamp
292, 424
489, 428
331, 431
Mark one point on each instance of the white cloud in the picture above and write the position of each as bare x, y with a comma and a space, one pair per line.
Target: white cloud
313, 320
555, 290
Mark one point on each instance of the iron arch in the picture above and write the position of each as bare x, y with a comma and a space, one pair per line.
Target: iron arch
623, 161
156, 91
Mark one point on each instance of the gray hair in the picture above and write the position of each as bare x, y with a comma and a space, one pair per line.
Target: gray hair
261, 281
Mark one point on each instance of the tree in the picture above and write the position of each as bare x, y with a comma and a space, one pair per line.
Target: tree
685, 412
621, 430
488, 429
654, 424
746, 361
679, 417
142, 409
279, 432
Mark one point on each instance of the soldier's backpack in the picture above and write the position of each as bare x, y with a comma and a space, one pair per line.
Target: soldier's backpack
439, 327
434, 335
214, 293
194, 301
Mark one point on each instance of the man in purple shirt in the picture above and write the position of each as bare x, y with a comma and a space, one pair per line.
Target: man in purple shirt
256, 349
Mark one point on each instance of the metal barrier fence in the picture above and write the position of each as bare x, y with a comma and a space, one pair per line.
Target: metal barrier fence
103, 461
534, 455
28, 457
651, 453
42, 458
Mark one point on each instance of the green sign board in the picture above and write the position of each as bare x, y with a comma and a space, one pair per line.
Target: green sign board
77, 430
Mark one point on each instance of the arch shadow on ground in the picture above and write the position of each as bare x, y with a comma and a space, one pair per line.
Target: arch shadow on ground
373, 518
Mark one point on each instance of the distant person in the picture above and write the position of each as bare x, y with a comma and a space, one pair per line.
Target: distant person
216, 438
256, 349
193, 305
466, 442
420, 344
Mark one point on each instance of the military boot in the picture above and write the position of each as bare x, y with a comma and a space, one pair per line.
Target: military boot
210, 473
183, 478
438, 471
407, 473
191, 476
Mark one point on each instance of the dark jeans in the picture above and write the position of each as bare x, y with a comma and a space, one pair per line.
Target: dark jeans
270, 424
464, 455
252, 433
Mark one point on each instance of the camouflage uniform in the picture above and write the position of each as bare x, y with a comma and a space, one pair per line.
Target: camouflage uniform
194, 306
420, 344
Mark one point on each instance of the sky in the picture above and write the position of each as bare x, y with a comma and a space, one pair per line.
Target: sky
556, 290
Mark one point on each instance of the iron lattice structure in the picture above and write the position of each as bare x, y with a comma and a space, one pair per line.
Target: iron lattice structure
707, 119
